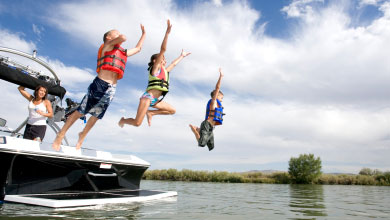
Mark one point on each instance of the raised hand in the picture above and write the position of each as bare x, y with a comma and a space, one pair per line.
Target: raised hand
220, 72
169, 26
142, 29
184, 54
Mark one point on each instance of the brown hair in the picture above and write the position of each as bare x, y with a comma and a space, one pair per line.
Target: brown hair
105, 36
151, 63
212, 93
36, 92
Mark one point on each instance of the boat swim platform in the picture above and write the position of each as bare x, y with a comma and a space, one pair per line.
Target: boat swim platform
82, 199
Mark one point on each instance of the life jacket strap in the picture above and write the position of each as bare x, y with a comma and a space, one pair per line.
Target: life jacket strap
113, 58
112, 64
121, 49
162, 83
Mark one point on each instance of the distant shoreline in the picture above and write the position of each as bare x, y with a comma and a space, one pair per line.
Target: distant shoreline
277, 177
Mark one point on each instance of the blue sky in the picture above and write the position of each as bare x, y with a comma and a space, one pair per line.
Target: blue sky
301, 76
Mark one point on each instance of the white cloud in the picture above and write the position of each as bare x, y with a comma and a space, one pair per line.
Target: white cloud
385, 8
15, 41
369, 2
71, 76
38, 30
316, 65
217, 2
300, 8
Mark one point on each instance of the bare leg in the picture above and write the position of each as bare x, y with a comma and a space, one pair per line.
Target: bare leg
91, 122
61, 134
195, 130
163, 108
143, 106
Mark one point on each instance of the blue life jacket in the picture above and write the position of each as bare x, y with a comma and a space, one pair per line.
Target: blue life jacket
217, 113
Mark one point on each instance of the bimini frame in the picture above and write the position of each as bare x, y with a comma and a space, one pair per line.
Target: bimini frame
59, 114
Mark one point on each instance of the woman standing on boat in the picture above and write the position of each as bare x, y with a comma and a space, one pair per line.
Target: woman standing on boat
39, 108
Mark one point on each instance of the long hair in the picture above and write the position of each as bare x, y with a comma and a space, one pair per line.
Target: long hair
36, 92
151, 63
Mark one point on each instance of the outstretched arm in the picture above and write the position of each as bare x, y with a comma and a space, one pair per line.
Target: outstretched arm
160, 56
138, 47
24, 93
217, 87
177, 60
118, 40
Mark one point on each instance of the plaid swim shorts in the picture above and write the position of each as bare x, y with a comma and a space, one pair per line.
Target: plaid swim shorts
98, 98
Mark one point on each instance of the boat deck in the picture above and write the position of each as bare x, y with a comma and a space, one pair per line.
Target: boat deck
23, 146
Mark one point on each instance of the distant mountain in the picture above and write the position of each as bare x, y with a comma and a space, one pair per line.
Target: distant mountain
341, 174
279, 171
264, 171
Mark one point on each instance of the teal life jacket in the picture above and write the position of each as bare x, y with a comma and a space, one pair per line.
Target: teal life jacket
217, 113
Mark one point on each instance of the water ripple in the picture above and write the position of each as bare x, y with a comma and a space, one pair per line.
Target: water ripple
232, 201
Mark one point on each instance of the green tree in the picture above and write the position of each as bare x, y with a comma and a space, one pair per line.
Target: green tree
304, 169
366, 171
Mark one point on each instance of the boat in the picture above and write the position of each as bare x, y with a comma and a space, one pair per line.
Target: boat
31, 172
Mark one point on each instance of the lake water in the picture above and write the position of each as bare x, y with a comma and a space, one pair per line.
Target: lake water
231, 201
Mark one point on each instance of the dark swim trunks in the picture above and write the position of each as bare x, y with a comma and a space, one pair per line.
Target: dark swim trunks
99, 96
33, 131
206, 135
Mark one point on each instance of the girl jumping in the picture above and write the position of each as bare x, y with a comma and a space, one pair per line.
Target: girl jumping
158, 85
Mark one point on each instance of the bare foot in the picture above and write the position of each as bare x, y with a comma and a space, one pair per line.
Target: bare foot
149, 117
195, 131
79, 142
57, 142
121, 122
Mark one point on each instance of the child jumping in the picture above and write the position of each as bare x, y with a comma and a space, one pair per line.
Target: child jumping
158, 85
110, 68
214, 113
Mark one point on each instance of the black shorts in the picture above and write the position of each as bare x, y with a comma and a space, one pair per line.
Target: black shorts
206, 135
33, 131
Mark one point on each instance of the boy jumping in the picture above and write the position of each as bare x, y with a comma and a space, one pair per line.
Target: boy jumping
110, 68
214, 113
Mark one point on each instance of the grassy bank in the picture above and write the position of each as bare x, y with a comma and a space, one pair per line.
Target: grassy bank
382, 179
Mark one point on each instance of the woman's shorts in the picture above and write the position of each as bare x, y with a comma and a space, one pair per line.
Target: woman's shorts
99, 96
33, 131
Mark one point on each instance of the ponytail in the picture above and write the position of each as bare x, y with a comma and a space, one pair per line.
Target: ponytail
151, 63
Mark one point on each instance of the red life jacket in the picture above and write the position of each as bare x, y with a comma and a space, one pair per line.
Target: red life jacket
114, 60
